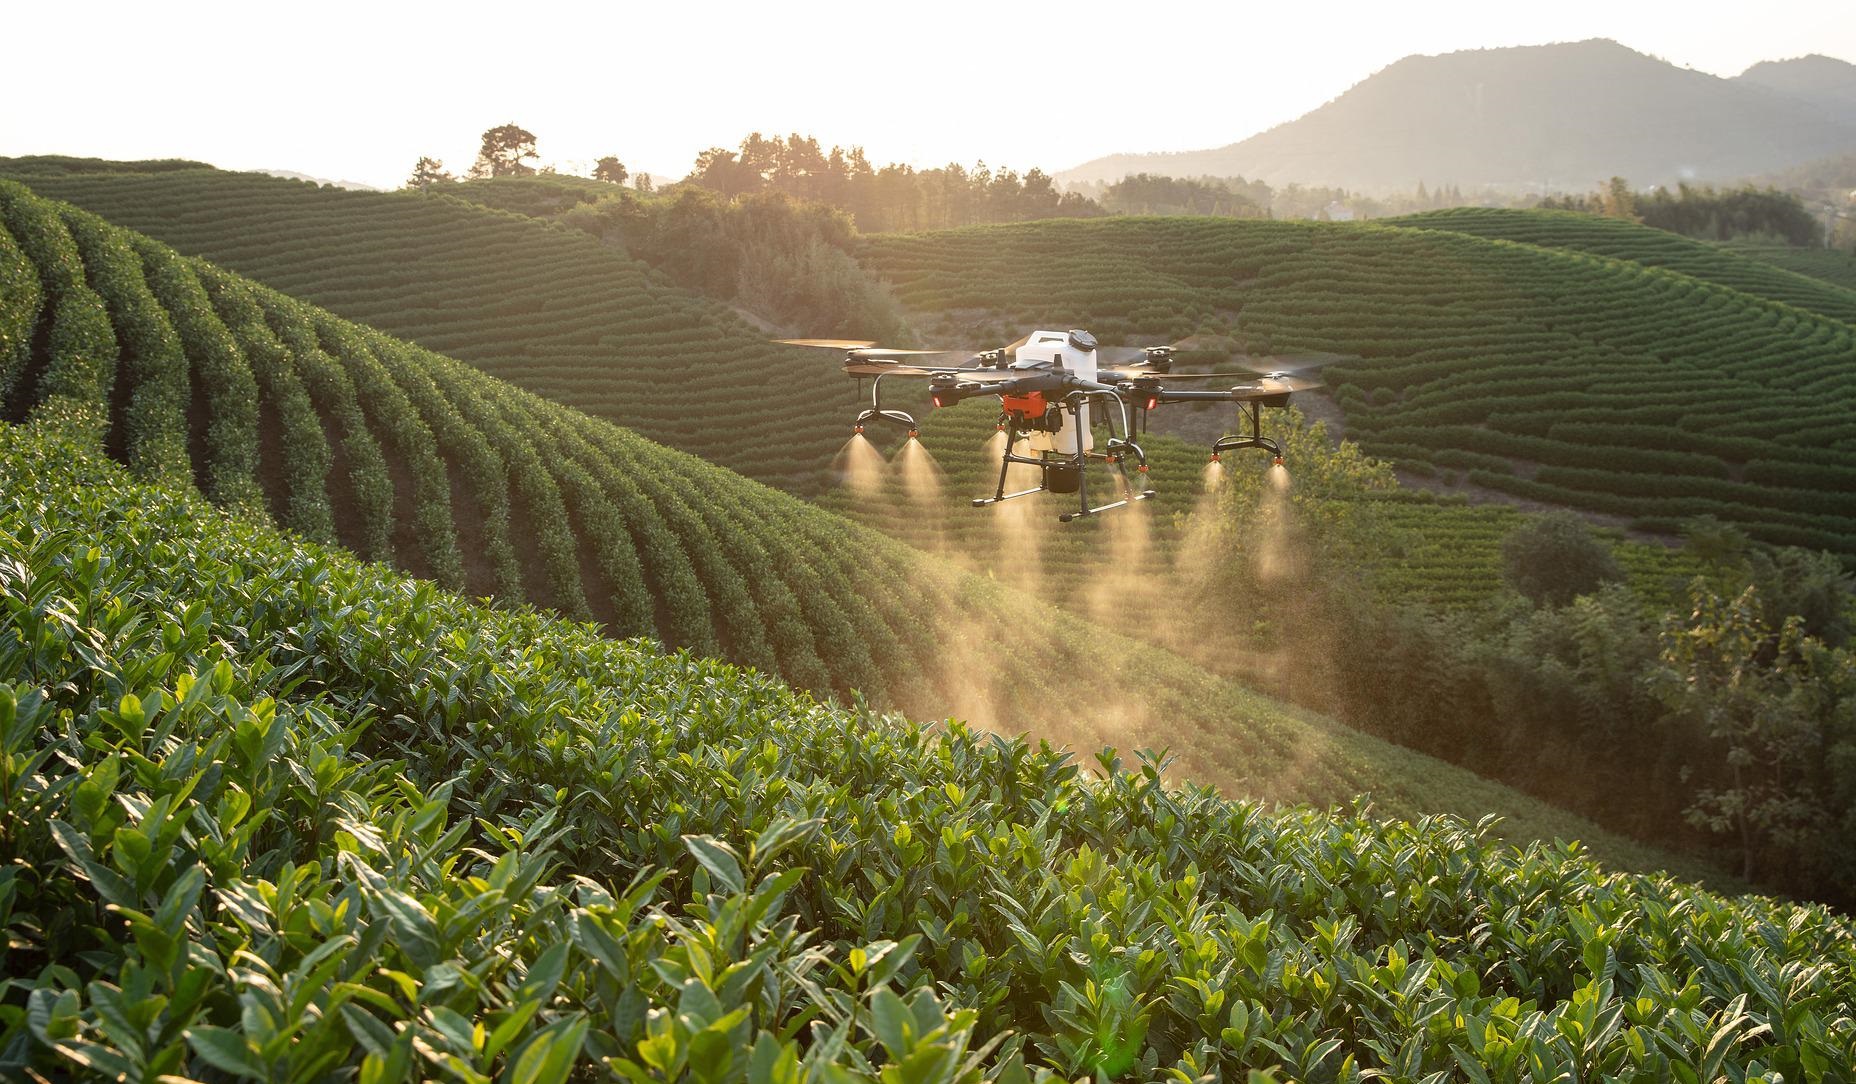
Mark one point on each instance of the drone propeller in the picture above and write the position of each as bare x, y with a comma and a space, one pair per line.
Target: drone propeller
1284, 380
859, 365
1137, 357
859, 348
828, 344
1282, 368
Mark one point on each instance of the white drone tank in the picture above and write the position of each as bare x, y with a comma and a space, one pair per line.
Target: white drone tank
1075, 353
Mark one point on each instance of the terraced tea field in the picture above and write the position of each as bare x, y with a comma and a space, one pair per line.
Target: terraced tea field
324, 244
1552, 375
634, 855
546, 308
1836, 268
1724, 265
181, 370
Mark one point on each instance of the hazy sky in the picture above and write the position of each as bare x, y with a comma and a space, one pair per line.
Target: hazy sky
359, 90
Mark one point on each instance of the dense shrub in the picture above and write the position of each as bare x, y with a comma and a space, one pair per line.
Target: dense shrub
1554, 558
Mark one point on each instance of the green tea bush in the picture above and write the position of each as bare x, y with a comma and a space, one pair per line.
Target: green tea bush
20, 295
293, 429
148, 425
225, 443
273, 814
366, 493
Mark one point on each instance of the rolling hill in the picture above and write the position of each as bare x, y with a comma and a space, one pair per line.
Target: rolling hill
339, 243
1543, 118
191, 375
1824, 81
550, 310
276, 814
1722, 265
1551, 375
1836, 268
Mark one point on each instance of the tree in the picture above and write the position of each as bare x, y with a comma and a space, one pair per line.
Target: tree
505, 152
610, 170
427, 172
1555, 558
1618, 201
1766, 700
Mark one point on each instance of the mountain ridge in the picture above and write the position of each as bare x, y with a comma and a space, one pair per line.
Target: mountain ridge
1556, 116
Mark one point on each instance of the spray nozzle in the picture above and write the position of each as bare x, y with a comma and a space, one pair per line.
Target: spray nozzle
913, 433
1215, 458
858, 429
1278, 461
1142, 468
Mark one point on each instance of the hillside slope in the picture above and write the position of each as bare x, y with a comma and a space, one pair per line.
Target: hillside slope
1550, 375
1125, 295
1822, 80
548, 309
1828, 265
1651, 247
1546, 117
274, 814
340, 433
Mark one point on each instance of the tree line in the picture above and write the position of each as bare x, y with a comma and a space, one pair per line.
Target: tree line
883, 198
897, 196
1704, 212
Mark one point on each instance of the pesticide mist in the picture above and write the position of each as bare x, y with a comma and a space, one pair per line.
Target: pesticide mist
859, 466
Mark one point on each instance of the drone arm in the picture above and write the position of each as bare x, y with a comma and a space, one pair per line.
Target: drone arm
948, 392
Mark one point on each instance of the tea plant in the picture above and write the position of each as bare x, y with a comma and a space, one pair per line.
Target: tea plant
424, 461
274, 814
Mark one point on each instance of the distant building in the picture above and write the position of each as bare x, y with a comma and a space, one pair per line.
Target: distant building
1337, 211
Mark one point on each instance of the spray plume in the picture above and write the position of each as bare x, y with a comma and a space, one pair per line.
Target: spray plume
921, 479
859, 466
1017, 527
1276, 555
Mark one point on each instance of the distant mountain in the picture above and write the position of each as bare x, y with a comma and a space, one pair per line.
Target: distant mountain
1561, 116
292, 175
1823, 80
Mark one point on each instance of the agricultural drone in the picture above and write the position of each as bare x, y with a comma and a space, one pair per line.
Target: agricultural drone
1049, 384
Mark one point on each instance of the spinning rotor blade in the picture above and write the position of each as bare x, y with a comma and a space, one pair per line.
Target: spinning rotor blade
861, 365
1284, 380
1293, 363
884, 353
885, 368
863, 349
828, 344
1136, 357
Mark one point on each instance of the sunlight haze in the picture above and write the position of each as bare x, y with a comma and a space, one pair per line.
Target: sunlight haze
361, 90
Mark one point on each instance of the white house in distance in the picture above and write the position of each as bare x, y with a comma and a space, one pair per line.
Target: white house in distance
1336, 211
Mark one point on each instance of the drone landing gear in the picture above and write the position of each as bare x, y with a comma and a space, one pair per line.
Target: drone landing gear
876, 412
1069, 473
1254, 439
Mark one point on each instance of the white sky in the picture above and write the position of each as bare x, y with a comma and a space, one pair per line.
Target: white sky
348, 90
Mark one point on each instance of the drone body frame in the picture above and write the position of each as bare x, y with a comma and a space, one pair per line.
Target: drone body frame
1051, 387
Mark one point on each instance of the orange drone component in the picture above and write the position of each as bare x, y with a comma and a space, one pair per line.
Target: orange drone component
1031, 404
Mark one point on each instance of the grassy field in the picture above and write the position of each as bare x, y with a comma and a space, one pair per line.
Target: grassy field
276, 814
